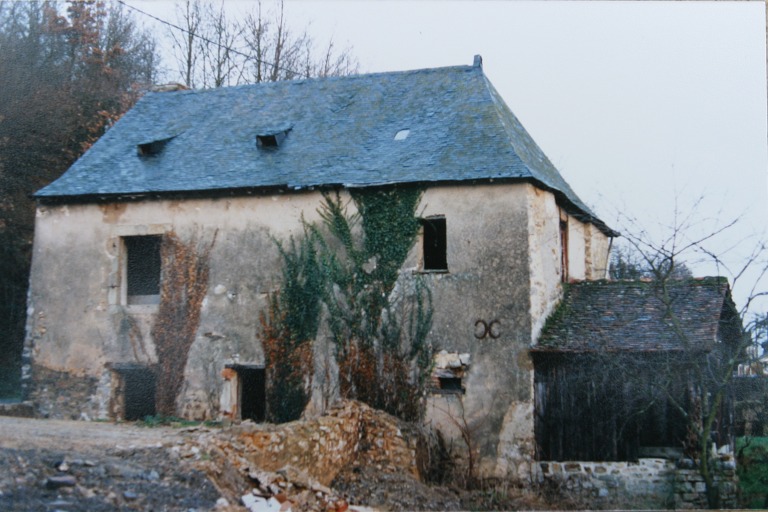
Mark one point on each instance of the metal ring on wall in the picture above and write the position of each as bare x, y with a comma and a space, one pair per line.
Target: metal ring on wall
484, 333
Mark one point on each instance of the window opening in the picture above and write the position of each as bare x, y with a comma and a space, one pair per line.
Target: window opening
252, 391
271, 140
435, 244
449, 369
143, 269
451, 384
152, 148
563, 248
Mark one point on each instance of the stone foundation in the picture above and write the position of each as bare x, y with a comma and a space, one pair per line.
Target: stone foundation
647, 483
63, 395
17, 409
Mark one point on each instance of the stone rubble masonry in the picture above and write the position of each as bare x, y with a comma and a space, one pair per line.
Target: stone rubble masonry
64, 395
647, 483
351, 434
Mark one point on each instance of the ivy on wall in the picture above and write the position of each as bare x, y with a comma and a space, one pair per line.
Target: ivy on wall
351, 264
184, 283
289, 326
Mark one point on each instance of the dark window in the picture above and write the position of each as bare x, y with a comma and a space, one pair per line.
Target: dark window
267, 141
152, 148
451, 384
564, 250
143, 269
271, 140
435, 244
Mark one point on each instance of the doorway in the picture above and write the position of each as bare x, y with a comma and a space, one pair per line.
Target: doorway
251, 390
134, 393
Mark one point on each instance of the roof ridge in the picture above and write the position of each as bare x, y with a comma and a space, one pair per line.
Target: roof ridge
317, 79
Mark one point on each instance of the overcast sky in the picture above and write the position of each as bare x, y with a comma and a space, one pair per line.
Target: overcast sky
640, 105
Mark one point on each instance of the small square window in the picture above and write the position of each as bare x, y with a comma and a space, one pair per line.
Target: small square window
271, 139
451, 385
142, 269
434, 244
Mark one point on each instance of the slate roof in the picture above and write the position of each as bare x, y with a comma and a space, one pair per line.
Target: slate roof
630, 316
341, 133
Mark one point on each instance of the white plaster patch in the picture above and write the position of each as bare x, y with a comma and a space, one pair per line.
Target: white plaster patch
515, 440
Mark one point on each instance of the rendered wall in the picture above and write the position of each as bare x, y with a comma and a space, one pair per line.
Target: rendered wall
503, 280
78, 321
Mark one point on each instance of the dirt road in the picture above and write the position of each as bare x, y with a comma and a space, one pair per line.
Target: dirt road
74, 465
80, 435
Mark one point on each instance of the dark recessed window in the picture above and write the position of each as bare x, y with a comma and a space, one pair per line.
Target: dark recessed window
142, 269
564, 250
435, 245
271, 140
152, 148
451, 384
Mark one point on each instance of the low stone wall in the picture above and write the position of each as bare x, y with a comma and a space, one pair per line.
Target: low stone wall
18, 409
63, 395
647, 483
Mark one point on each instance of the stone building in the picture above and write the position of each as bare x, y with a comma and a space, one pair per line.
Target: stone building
235, 169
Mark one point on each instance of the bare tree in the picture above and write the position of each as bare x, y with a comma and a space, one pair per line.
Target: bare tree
712, 375
214, 50
222, 64
188, 44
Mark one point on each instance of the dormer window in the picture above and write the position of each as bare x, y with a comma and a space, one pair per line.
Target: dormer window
152, 148
272, 139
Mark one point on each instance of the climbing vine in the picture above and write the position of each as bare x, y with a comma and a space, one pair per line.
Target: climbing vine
350, 264
185, 270
380, 335
289, 326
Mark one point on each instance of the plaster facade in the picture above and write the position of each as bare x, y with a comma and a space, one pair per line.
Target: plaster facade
503, 250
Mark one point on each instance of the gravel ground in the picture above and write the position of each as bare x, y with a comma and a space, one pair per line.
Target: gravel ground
48, 465
56, 465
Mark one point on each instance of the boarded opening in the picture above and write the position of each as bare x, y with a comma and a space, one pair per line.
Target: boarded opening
252, 390
435, 244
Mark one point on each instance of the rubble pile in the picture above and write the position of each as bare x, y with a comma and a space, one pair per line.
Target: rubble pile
290, 466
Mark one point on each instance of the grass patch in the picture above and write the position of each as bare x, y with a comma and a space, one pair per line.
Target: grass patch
752, 468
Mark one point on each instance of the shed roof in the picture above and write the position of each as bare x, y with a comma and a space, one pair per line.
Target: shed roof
341, 131
631, 316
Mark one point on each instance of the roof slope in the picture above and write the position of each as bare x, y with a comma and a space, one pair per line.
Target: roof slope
630, 316
342, 132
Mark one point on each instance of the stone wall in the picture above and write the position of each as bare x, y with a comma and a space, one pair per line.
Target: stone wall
647, 483
63, 395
